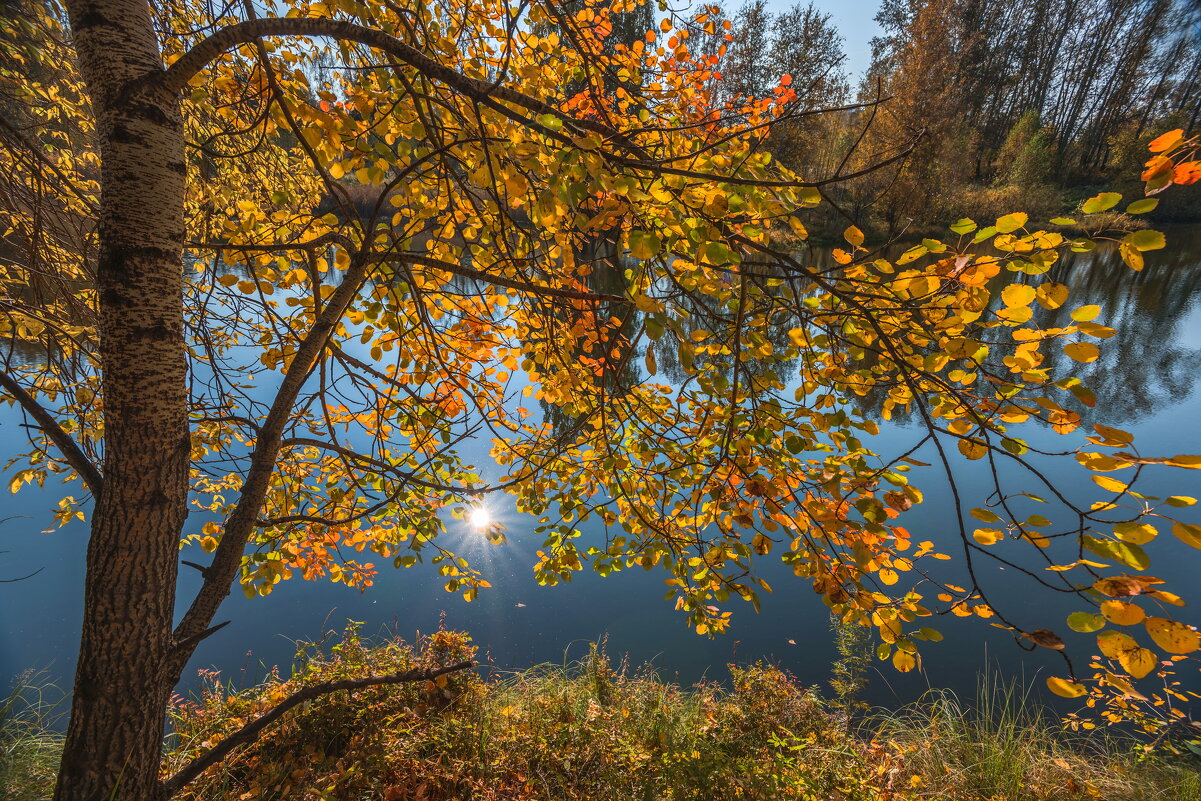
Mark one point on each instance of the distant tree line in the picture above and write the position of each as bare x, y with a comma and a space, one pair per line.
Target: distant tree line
1006, 103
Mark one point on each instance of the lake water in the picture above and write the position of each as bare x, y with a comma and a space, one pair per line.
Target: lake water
1146, 382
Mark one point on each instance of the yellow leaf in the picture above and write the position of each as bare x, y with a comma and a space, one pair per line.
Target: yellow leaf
1065, 688
1101, 202
1018, 295
1172, 637
1117, 682
1051, 295
1086, 313
1083, 352
1188, 533
904, 661
1115, 435
1096, 330
1113, 643
1138, 662
516, 184
987, 536
1132, 256
972, 449
1185, 460
1135, 533
1085, 622
853, 235
1101, 463
1122, 613
1011, 222
1111, 484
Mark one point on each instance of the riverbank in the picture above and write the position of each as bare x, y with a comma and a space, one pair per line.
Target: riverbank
595, 730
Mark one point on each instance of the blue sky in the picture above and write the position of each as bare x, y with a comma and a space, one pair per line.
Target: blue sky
854, 21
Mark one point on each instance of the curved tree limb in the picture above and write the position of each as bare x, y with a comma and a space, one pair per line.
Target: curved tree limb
176, 77
250, 732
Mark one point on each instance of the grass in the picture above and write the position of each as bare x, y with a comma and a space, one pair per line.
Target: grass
595, 730
1006, 747
583, 731
30, 744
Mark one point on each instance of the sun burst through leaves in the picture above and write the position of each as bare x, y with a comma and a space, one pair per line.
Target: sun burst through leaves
479, 518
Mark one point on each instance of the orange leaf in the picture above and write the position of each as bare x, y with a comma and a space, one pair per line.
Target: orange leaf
1157, 166
1187, 173
1167, 141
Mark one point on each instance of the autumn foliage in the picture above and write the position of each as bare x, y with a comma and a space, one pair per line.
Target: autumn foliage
408, 227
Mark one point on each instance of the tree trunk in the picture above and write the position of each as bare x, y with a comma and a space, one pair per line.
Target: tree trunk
114, 739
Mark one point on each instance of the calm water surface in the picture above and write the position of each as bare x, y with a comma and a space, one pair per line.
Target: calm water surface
1146, 382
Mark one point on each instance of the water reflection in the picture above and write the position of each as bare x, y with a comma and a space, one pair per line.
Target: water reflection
1146, 375
1151, 361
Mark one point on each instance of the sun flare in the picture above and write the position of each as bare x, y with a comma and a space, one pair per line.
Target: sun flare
479, 518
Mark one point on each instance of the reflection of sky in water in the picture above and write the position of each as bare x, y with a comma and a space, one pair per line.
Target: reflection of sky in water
1145, 382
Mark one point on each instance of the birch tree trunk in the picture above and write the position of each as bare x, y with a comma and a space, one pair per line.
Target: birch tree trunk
122, 682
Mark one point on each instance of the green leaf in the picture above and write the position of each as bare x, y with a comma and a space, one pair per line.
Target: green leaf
809, 195
1127, 553
644, 245
1143, 206
1101, 202
1085, 622
964, 226
687, 356
1145, 240
984, 233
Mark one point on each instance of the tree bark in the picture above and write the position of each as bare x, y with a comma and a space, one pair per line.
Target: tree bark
122, 683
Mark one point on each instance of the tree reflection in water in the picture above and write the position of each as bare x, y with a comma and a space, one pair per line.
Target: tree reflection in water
1149, 363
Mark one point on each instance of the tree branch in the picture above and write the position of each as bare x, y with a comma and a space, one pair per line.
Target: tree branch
511, 283
175, 78
250, 732
427, 261
67, 446
243, 519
